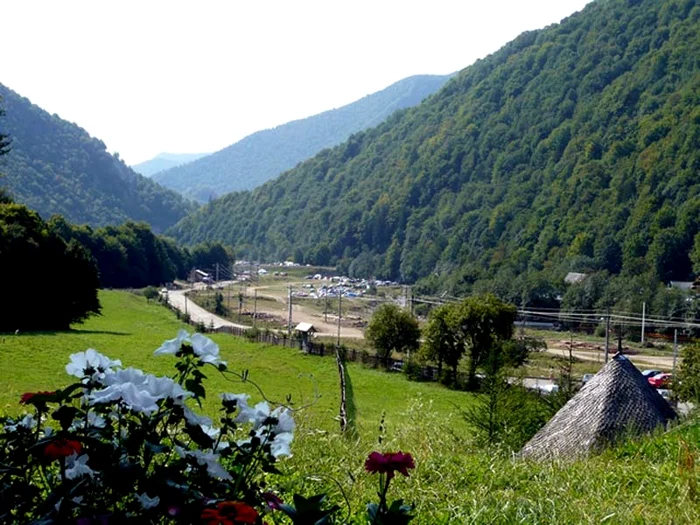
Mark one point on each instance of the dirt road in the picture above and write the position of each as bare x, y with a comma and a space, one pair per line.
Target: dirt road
198, 314
299, 315
642, 361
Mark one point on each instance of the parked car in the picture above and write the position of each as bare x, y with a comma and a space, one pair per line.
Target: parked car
651, 373
660, 380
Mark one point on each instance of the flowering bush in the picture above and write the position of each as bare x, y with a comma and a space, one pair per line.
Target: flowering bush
119, 444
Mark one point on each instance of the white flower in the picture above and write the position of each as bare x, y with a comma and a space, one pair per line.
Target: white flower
94, 420
285, 422
172, 346
206, 349
210, 431
132, 396
279, 446
76, 466
146, 502
240, 399
205, 459
194, 419
165, 387
91, 364
259, 414
138, 390
127, 375
27, 422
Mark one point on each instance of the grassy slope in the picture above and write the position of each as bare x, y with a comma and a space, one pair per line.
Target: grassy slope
639, 482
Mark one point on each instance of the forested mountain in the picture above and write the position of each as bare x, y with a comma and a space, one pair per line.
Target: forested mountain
56, 167
264, 155
573, 148
165, 161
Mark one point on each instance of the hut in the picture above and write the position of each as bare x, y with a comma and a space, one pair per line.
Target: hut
304, 332
617, 401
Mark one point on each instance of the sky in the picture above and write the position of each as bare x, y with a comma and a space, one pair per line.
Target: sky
152, 76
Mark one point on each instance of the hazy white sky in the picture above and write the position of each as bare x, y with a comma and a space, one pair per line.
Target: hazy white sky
150, 76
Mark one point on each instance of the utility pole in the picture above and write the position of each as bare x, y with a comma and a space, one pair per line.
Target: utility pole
675, 351
411, 298
289, 314
217, 272
607, 336
255, 306
644, 314
325, 308
619, 340
340, 313
185, 295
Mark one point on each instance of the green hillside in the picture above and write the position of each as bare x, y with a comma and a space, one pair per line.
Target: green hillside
55, 167
264, 155
573, 148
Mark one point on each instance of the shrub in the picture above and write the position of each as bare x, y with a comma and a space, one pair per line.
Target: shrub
127, 445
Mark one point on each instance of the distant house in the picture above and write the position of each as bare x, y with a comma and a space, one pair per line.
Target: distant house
681, 285
574, 277
199, 276
262, 271
616, 402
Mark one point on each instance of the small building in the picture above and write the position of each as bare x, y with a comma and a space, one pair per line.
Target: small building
304, 332
614, 403
681, 285
199, 276
574, 277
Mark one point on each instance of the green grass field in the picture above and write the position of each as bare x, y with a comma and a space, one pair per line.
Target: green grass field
649, 480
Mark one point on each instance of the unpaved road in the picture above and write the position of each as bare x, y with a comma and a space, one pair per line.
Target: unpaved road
198, 314
642, 361
299, 315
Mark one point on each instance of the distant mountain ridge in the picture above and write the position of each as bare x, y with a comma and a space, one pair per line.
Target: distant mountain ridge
165, 161
265, 154
575, 148
56, 167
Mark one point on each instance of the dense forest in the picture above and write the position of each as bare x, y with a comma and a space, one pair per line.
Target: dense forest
48, 283
56, 167
574, 148
265, 154
132, 256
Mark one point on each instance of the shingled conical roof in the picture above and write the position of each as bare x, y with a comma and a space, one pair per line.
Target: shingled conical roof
617, 401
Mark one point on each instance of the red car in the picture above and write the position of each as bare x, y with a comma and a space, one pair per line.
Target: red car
660, 380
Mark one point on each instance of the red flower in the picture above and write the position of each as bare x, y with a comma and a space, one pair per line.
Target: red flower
230, 513
61, 448
389, 462
27, 397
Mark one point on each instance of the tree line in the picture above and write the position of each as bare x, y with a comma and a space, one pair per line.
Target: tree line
132, 256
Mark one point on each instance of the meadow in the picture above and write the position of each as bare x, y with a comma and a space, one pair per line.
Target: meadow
645, 480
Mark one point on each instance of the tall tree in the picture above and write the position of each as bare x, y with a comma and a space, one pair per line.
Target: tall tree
392, 329
484, 323
47, 284
440, 341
